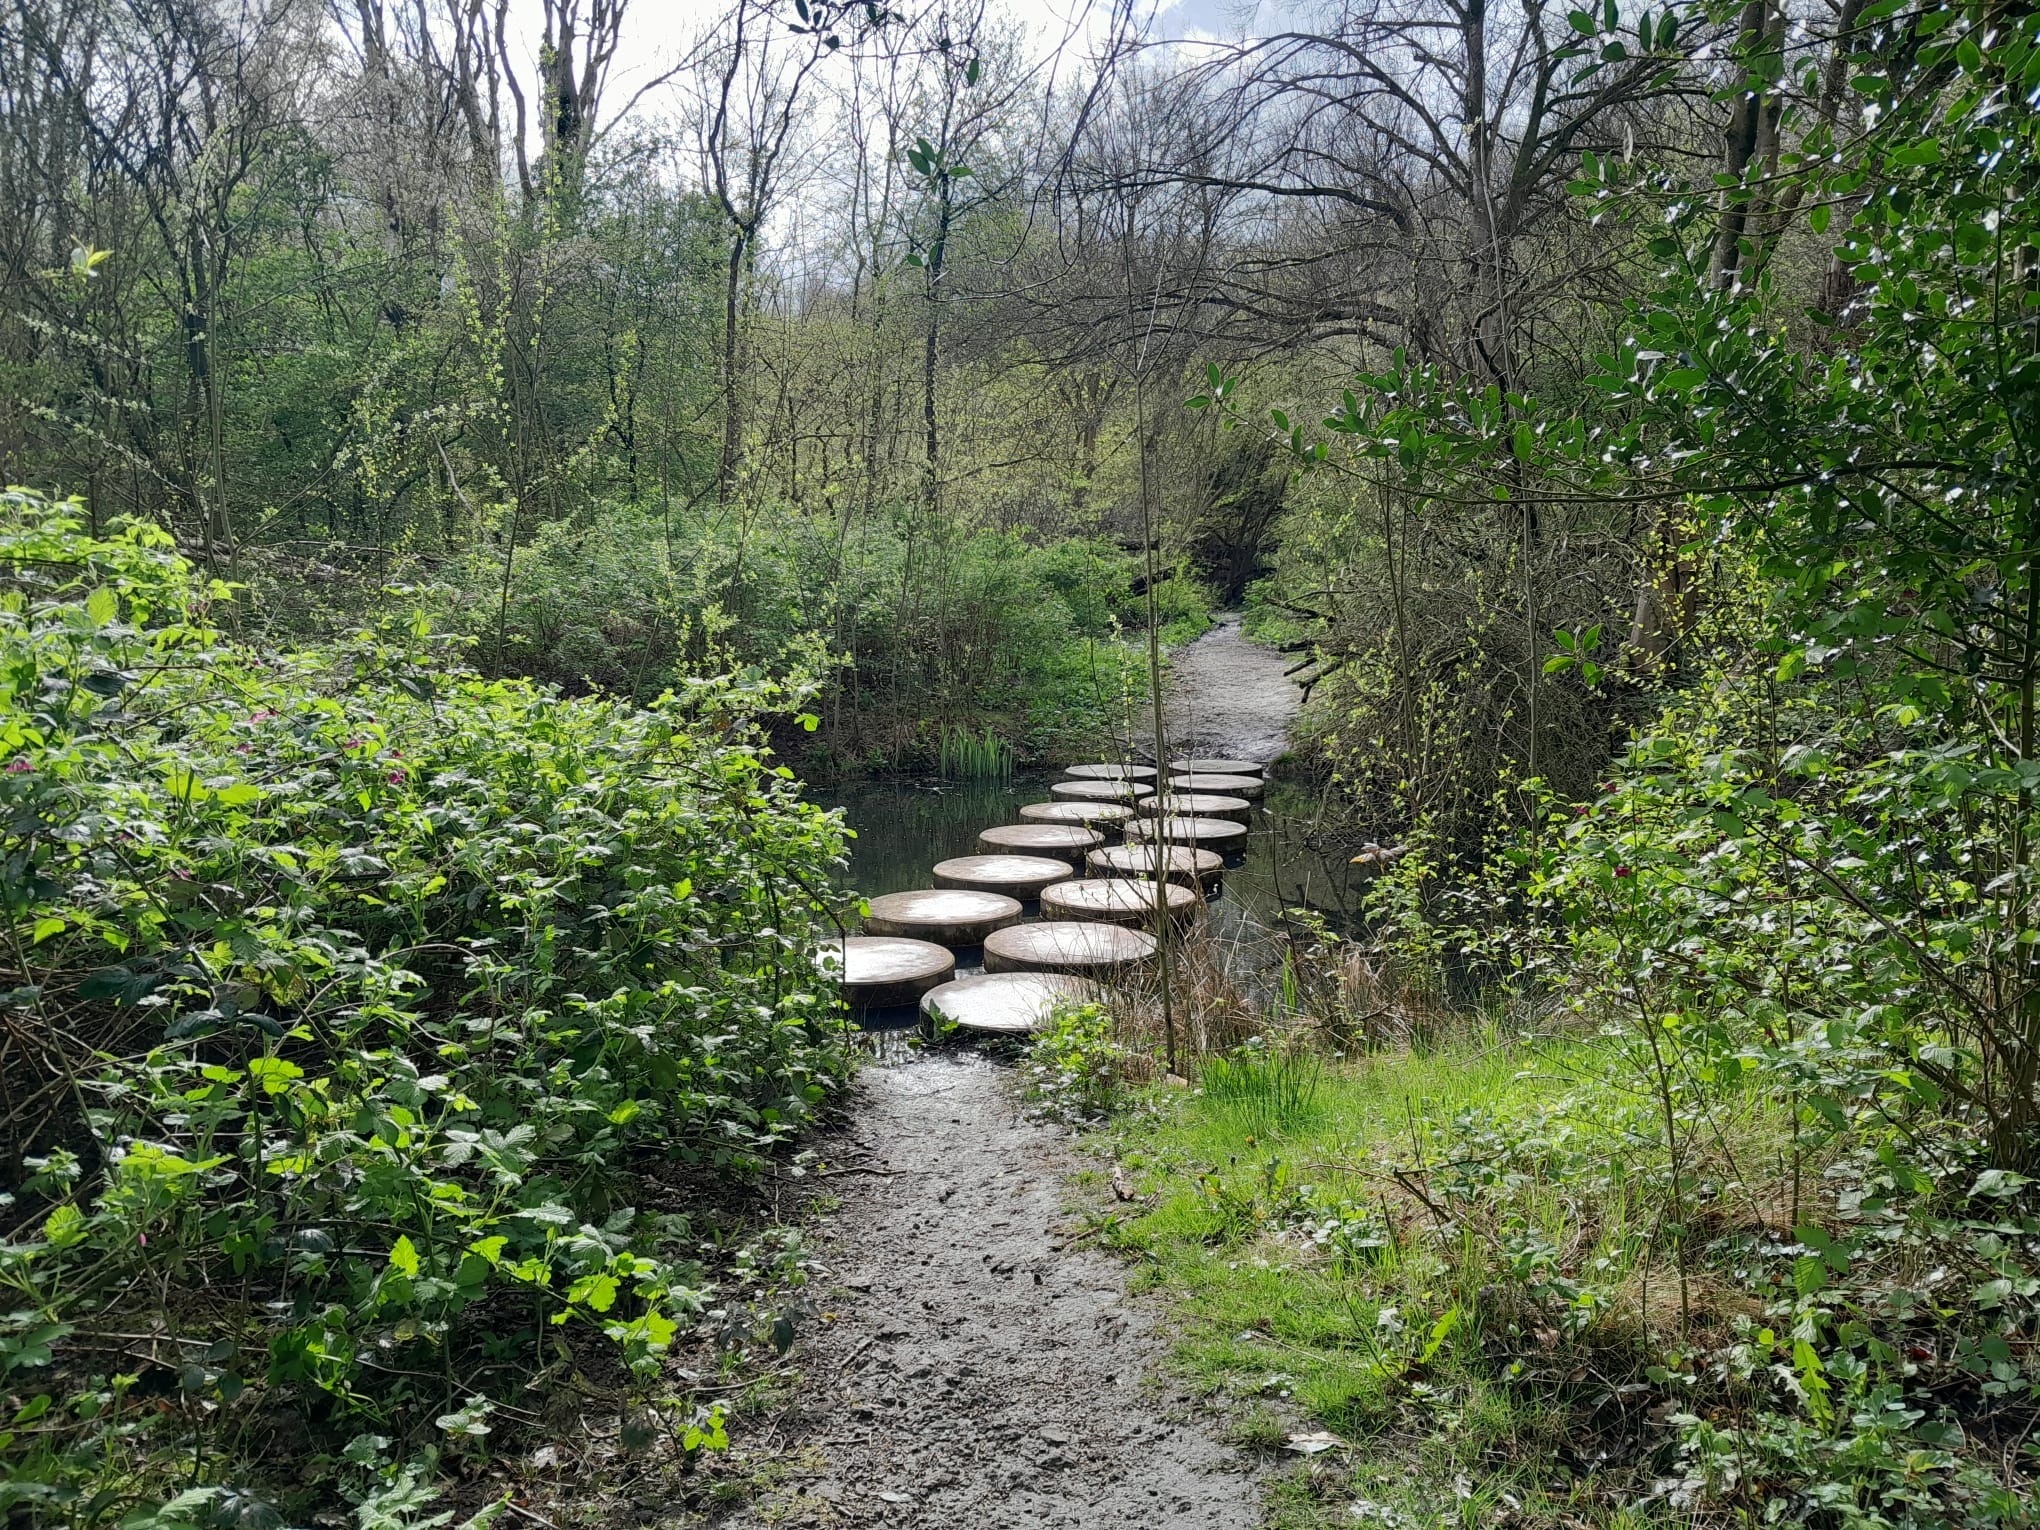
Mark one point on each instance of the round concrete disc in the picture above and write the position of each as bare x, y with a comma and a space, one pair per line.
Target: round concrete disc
878, 971
1115, 900
1202, 767
1197, 805
1065, 842
1103, 816
1067, 945
1094, 791
1204, 833
1110, 772
1007, 1003
1017, 876
1178, 863
1231, 786
949, 916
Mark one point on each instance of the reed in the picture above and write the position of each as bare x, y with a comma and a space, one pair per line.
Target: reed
964, 755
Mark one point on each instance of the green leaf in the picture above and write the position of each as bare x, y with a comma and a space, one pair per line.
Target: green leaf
404, 1255
1582, 22
103, 605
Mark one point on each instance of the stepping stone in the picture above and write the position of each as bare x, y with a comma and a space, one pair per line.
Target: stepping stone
948, 916
1004, 1003
1064, 842
879, 971
1231, 786
1197, 805
1203, 869
1106, 817
1110, 772
1204, 833
1017, 876
1094, 791
1115, 900
1067, 945
1200, 767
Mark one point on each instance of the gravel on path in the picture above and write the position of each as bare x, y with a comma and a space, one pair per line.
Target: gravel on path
1227, 696
980, 1373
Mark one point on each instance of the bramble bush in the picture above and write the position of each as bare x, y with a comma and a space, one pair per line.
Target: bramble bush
345, 995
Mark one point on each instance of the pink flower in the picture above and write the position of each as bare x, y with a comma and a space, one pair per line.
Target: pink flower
352, 743
16, 767
1623, 871
396, 778
262, 716
143, 1239
243, 748
180, 873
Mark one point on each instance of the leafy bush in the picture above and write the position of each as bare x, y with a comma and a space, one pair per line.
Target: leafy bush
973, 630
1076, 1065
344, 994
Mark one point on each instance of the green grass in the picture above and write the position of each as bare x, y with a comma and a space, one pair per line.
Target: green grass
1334, 1258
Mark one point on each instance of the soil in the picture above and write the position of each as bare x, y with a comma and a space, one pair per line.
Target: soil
1227, 696
981, 1372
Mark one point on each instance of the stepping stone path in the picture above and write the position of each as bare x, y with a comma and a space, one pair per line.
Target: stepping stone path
946, 916
1201, 869
1197, 805
1232, 786
1116, 900
1094, 791
1219, 767
1067, 945
1003, 1003
1104, 816
1050, 841
879, 971
1017, 876
1110, 772
1204, 833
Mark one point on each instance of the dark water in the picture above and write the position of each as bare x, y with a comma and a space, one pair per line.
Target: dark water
1290, 862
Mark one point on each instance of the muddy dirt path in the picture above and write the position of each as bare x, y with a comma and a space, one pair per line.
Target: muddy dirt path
1227, 696
979, 1374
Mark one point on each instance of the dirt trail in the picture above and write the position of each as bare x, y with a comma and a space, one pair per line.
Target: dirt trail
1227, 696
979, 1375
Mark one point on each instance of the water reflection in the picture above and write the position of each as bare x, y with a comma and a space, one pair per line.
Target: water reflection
1291, 861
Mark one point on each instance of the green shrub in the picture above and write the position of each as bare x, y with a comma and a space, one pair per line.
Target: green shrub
344, 994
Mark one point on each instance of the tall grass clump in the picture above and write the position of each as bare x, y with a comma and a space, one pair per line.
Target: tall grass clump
1267, 1089
965, 754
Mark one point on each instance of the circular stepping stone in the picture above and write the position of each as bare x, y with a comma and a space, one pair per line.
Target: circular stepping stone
1064, 842
1202, 767
1204, 833
1017, 876
1110, 772
1085, 947
950, 916
1230, 786
1005, 1003
1197, 805
878, 971
1115, 900
1094, 791
1177, 863
1103, 816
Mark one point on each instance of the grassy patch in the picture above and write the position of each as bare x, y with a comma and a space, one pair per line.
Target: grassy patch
1429, 1257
